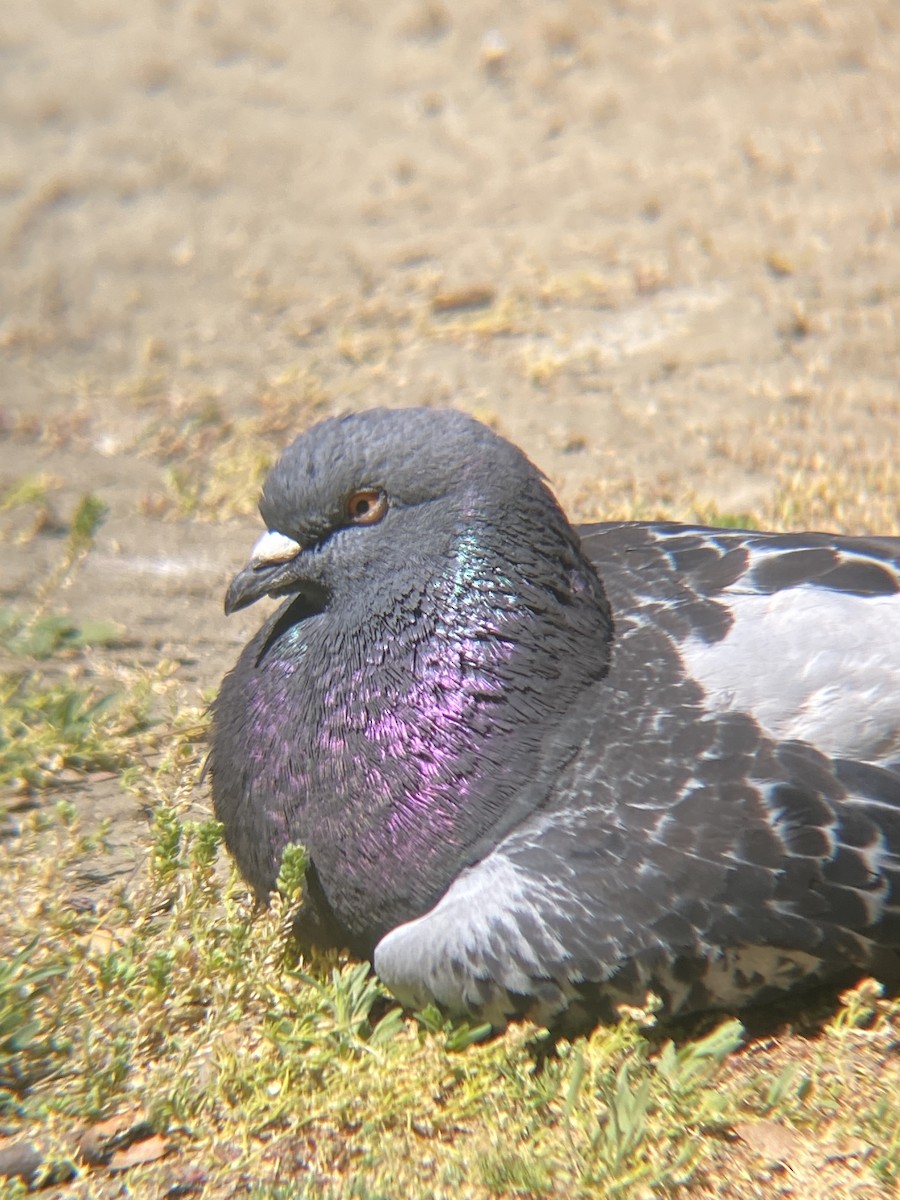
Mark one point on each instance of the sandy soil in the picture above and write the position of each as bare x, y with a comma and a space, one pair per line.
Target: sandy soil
656, 243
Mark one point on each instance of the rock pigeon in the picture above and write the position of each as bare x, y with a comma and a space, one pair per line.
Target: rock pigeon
542, 770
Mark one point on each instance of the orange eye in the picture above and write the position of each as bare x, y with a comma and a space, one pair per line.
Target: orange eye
367, 507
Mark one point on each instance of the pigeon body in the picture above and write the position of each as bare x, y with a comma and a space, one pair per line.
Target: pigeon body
541, 770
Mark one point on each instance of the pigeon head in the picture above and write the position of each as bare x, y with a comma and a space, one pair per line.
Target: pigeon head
359, 501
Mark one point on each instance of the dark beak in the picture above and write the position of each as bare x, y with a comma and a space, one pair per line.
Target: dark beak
271, 571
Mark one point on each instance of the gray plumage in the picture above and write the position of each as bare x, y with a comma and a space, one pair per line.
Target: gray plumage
540, 769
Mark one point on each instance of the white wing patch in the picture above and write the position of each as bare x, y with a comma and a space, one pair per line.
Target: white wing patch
809, 664
443, 955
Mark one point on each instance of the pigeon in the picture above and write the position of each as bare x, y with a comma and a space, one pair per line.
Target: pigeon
545, 772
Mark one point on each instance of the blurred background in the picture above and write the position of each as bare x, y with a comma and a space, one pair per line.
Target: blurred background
654, 243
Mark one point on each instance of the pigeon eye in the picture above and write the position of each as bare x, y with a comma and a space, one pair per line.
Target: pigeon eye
367, 507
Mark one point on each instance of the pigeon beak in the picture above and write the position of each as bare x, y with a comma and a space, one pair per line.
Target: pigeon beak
269, 569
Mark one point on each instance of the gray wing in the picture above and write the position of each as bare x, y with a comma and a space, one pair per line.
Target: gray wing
693, 844
800, 631
766, 865
713, 562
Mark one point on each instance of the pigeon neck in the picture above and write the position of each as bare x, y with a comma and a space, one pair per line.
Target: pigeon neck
429, 734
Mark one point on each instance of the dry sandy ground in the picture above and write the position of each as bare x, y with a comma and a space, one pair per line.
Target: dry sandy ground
656, 243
